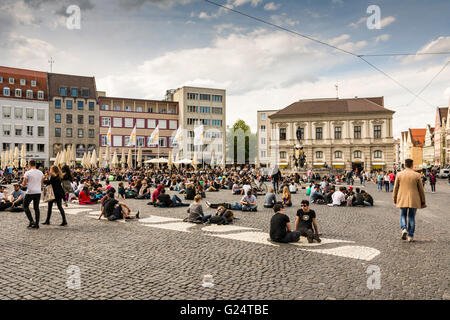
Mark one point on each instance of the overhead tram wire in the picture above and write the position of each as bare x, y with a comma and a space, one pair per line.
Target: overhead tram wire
329, 45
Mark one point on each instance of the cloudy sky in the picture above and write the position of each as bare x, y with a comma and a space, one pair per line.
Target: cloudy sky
140, 48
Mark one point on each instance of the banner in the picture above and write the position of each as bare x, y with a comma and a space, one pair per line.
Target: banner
132, 141
154, 138
198, 136
178, 137
108, 137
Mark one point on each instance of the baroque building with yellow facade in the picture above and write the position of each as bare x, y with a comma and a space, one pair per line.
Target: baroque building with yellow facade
343, 134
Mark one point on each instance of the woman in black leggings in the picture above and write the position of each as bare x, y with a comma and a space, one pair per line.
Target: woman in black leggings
55, 181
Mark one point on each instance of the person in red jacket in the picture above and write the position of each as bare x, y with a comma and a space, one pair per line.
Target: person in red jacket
84, 198
155, 195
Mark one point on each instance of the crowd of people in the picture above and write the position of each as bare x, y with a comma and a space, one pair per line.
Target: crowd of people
90, 187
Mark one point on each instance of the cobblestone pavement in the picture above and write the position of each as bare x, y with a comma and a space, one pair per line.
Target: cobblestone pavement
159, 258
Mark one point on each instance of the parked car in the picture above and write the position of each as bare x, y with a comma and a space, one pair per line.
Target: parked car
444, 173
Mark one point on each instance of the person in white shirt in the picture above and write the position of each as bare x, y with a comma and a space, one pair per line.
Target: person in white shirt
246, 188
293, 187
33, 180
338, 198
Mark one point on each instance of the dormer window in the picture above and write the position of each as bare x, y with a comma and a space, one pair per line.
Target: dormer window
33, 83
23, 82
11, 80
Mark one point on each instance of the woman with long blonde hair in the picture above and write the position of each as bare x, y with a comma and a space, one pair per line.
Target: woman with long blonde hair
286, 199
56, 176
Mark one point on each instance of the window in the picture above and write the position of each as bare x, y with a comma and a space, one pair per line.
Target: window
217, 110
173, 124
319, 133
85, 92
29, 113
216, 98
105, 107
117, 108
263, 116
40, 115
5, 146
80, 105
282, 133
63, 91
206, 97
217, 123
139, 109
69, 132
192, 96
162, 124
6, 130
151, 123
80, 133
41, 131
18, 130
377, 131
192, 108
91, 133
106, 122
6, 112
33, 83
206, 122
23, 82
18, 93
378, 154
129, 122
69, 104
319, 154
41, 147
140, 123
11, 80
338, 154
162, 142
128, 108
80, 119
263, 154
140, 141
263, 128
103, 140
117, 141
91, 106
6, 91
205, 110
357, 154
338, 132
1, 79
29, 94
283, 155
91, 119
58, 117
18, 113
191, 121
74, 92
126, 140
162, 110
357, 132
58, 103
68, 118
29, 147
40, 95
29, 131
263, 140
150, 109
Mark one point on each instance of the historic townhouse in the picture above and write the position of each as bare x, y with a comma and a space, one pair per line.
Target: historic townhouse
440, 137
24, 112
335, 133
74, 113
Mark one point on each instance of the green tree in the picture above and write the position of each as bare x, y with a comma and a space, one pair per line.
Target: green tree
240, 136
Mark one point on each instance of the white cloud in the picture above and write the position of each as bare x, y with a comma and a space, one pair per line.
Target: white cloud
283, 20
441, 44
204, 15
357, 23
387, 21
271, 6
254, 3
383, 37
228, 26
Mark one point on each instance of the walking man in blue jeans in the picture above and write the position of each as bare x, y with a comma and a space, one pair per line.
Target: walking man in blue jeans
409, 196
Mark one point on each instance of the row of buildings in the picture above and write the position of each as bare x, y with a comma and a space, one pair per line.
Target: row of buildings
49, 111
429, 147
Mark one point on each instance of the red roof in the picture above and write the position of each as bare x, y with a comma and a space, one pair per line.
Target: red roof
418, 137
23, 72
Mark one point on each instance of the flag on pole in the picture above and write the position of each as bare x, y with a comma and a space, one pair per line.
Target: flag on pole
178, 136
198, 136
108, 137
132, 141
154, 138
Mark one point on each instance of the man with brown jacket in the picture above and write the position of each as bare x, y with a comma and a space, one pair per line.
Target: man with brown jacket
409, 196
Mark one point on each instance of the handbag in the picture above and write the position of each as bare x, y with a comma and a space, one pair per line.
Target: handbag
67, 186
48, 194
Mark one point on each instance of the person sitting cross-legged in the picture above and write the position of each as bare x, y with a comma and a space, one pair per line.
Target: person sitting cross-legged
316, 196
270, 199
358, 198
196, 212
305, 221
112, 209
280, 227
249, 202
338, 198
368, 200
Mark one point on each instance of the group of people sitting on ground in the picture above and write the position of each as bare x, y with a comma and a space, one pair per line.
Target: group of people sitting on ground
247, 203
326, 194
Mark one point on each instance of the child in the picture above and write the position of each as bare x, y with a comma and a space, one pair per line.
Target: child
121, 191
